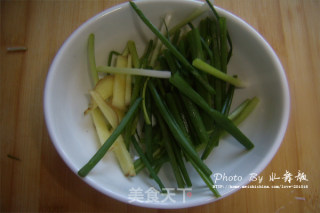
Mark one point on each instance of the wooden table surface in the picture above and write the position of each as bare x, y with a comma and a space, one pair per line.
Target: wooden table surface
34, 177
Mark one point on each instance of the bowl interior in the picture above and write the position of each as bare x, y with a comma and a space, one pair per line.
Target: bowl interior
66, 98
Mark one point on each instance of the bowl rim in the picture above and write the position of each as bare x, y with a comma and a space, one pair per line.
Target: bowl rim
261, 166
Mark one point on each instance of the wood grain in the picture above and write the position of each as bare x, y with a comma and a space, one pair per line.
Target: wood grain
40, 181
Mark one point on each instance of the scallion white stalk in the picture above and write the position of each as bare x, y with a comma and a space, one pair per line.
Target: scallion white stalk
135, 71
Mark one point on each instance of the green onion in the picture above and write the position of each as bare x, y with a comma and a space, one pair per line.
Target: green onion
214, 140
92, 59
168, 146
246, 110
147, 108
196, 120
147, 164
110, 57
238, 109
228, 35
242, 111
145, 113
105, 147
223, 44
135, 71
194, 40
196, 13
158, 164
206, 179
146, 56
170, 46
134, 54
212, 9
181, 164
158, 45
203, 66
157, 154
176, 113
171, 62
221, 120
176, 131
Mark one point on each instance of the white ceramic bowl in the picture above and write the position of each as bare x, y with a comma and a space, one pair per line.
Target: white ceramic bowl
73, 135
